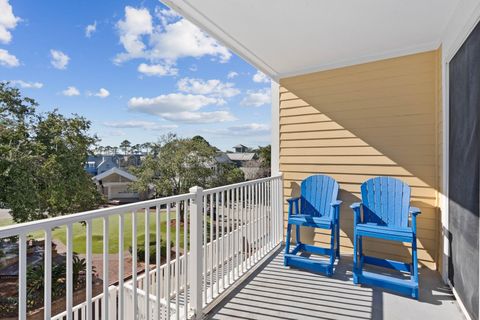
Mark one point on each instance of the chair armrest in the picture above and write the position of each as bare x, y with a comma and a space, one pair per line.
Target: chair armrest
356, 205
336, 203
294, 199
415, 211
293, 207
356, 212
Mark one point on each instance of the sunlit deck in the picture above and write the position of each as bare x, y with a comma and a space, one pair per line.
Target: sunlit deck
276, 292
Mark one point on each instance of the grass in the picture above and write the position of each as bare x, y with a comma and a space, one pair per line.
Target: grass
79, 232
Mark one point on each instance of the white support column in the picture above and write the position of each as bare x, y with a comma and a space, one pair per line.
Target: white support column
196, 266
275, 162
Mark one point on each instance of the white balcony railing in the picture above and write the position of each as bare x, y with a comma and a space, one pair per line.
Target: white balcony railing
224, 232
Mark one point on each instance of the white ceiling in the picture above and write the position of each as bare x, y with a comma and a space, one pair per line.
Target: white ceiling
289, 37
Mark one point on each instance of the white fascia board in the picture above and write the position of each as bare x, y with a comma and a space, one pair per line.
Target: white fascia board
364, 59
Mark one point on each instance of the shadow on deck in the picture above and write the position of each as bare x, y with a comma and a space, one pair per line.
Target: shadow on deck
276, 292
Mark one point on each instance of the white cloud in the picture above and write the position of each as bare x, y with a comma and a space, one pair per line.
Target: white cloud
102, 93
232, 74
212, 87
71, 91
90, 29
173, 102
8, 21
181, 107
59, 59
26, 84
7, 59
133, 124
260, 77
257, 98
251, 129
183, 39
200, 117
168, 41
157, 70
137, 22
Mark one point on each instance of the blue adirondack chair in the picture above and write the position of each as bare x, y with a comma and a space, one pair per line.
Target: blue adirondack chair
386, 210
317, 207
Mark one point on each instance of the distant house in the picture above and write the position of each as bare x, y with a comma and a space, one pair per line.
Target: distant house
114, 184
240, 148
97, 164
247, 161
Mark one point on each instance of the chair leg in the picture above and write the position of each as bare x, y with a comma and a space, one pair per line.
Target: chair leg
360, 252
338, 241
355, 266
297, 234
287, 243
414, 275
332, 251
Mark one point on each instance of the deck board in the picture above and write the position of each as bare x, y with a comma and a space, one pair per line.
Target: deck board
277, 292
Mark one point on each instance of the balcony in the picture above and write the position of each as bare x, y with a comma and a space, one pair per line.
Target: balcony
222, 260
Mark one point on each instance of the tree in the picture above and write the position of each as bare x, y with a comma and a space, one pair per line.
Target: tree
265, 157
227, 174
41, 160
179, 165
125, 146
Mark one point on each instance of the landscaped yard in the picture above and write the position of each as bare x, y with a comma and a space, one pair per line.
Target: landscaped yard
79, 232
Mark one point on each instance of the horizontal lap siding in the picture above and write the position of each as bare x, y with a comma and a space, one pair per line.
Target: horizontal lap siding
358, 122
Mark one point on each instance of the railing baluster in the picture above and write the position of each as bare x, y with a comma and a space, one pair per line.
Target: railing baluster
257, 224
205, 250
249, 226
22, 277
69, 258
264, 219
211, 246
244, 229
185, 258
237, 229
89, 308
223, 239
158, 250
105, 279
121, 267
147, 264
47, 298
134, 266
177, 260
229, 239
167, 278
217, 243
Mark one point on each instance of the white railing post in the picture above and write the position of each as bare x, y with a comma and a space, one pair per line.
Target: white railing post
196, 258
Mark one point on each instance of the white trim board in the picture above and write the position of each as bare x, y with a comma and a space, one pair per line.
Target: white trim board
464, 20
365, 59
275, 128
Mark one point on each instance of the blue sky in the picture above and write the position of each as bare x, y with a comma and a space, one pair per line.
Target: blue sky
136, 69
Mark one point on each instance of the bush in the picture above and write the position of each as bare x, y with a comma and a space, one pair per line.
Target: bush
153, 251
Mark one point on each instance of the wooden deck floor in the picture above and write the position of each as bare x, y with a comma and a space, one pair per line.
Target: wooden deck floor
276, 292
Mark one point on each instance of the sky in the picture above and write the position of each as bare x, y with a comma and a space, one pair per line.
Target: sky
136, 69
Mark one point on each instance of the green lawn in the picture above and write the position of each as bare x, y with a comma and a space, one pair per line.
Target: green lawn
79, 232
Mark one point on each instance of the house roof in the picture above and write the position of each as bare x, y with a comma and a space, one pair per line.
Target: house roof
285, 38
118, 171
246, 156
222, 158
239, 146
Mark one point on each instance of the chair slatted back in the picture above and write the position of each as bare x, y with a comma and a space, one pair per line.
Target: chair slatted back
317, 194
386, 201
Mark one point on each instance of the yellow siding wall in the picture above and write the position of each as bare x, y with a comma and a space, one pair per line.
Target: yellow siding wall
354, 123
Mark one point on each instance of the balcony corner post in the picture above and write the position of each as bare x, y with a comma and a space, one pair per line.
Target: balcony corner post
196, 252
